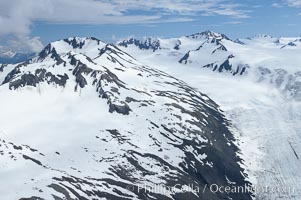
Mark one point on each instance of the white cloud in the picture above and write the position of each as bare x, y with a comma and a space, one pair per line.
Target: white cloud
26, 43
277, 5
183, 7
231, 10
22, 44
18, 16
234, 22
294, 3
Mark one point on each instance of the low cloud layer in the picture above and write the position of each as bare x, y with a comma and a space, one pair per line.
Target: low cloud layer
22, 44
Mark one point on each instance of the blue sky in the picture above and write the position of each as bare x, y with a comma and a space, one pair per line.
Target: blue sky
30, 24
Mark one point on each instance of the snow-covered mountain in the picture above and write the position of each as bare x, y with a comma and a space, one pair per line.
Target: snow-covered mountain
207, 49
89, 120
86, 120
262, 99
265, 58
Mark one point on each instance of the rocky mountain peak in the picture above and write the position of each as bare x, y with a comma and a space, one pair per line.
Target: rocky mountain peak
208, 34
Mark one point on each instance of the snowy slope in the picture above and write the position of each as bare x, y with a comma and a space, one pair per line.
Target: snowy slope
263, 104
266, 124
85, 120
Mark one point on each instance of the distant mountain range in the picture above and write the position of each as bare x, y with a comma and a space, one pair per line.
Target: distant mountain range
274, 60
15, 57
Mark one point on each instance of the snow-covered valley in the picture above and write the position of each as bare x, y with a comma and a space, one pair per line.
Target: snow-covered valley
267, 125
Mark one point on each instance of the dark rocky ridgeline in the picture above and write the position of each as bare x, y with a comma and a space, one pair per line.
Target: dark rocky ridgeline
209, 34
184, 120
80, 70
221, 57
2, 66
290, 44
215, 40
178, 45
80, 42
220, 48
154, 43
149, 43
224, 66
33, 79
185, 58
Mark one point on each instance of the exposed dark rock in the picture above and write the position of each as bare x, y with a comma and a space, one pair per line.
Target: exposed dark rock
74, 43
225, 66
152, 44
122, 109
25, 79
241, 70
130, 99
45, 52
32, 198
185, 58
12, 74
291, 44
40, 75
2, 66
49, 50
220, 48
208, 34
177, 46
80, 70
77, 44
32, 159
202, 130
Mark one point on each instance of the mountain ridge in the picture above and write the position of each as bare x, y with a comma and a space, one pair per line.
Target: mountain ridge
244, 57
142, 126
